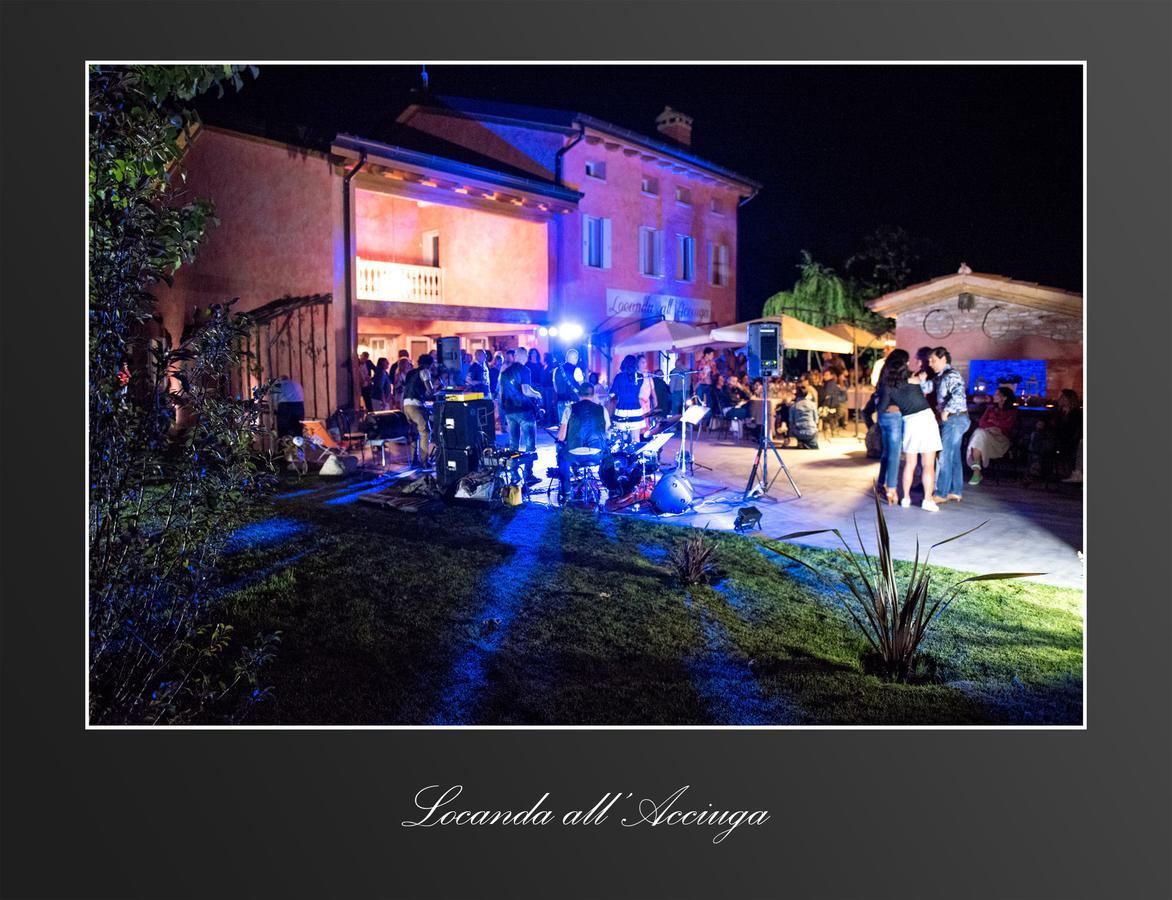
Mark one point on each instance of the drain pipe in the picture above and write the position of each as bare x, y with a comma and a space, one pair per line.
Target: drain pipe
558, 174
348, 240
559, 157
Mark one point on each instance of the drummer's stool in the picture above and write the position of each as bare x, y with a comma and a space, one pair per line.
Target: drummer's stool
585, 482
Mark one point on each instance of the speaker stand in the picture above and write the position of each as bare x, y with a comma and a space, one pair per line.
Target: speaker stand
759, 482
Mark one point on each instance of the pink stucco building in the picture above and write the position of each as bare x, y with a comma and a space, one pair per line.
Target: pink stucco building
493, 222
983, 318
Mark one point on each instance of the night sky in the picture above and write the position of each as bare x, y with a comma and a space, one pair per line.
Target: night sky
979, 163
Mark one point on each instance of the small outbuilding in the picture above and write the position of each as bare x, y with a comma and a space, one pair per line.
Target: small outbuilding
998, 330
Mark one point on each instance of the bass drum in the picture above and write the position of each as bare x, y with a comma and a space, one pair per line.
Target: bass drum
621, 472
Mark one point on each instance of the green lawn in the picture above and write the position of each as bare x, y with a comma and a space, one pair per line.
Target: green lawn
537, 616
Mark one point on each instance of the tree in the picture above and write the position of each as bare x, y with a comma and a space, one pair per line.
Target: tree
819, 296
885, 263
161, 496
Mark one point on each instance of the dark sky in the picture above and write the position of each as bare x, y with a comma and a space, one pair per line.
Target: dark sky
981, 163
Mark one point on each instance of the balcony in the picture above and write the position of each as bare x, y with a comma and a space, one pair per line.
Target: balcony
398, 282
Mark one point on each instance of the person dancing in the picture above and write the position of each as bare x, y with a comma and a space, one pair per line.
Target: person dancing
890, 421
921, 435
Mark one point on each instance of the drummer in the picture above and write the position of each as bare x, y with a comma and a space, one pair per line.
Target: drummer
631, 394
584, 426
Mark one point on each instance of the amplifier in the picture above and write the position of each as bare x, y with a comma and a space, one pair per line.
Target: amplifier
390, 424
452, 464
464, 423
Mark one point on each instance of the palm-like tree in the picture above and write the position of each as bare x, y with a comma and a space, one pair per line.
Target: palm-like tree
819, 297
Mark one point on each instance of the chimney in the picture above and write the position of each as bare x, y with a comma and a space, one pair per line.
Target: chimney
675, 125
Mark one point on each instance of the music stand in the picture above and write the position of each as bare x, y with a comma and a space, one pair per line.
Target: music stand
689, 415
686, 458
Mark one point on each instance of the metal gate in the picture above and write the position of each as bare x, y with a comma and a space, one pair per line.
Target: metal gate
290, 337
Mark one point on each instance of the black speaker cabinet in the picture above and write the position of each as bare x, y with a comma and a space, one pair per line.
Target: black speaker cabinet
464, 423
452, 464
764, 357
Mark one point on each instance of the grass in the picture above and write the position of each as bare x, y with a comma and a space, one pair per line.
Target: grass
537, 616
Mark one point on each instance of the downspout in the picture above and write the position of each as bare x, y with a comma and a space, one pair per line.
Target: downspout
558, 173
347, 239
745, 200
559, 156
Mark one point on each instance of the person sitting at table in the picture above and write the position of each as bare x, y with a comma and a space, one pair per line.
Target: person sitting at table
737, 400
803, 421
994, 431
832, 398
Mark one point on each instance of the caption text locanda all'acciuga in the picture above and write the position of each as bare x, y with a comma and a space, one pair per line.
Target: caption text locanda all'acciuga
438, 807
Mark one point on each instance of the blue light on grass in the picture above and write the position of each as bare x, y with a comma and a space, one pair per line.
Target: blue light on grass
531, 530
267, 533
725, 682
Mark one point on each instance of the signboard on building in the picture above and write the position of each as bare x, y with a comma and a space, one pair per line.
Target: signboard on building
644, 306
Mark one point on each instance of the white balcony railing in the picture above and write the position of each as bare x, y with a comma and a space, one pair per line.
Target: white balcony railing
398, 282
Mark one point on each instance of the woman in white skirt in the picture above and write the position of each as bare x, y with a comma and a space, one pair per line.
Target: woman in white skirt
921, 434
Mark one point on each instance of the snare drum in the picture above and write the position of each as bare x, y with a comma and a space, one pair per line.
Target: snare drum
585, 456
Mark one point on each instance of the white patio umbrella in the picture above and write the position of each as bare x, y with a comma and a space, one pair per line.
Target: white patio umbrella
859, 337
795, 335
662, 337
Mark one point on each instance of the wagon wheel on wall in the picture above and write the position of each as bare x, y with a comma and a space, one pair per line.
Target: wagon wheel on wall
939, 324
995, 325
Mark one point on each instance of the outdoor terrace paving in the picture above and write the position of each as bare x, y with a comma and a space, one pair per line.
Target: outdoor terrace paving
1035, 529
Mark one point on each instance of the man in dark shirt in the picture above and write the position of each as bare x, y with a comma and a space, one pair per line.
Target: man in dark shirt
519, 404
567, 379
584, 424
662, 405
952, 406
417, 393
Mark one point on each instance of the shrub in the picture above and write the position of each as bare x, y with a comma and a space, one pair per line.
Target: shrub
693, 560
893, 619
171, 458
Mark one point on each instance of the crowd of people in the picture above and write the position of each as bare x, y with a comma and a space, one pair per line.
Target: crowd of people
918, 415
921, 413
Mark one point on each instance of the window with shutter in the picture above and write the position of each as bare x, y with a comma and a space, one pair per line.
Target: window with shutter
650, 252
595, 242
718, 264
685, 257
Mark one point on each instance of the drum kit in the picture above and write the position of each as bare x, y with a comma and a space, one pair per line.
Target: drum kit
627, 467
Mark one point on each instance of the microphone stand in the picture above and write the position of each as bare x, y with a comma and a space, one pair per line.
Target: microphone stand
685, 459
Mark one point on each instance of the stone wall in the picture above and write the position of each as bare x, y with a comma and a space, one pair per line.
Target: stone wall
998, 329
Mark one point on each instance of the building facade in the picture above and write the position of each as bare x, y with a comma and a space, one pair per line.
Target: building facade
503, 225
996, 325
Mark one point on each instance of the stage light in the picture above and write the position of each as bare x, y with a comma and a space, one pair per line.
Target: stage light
542, 331
553, 331
570, 331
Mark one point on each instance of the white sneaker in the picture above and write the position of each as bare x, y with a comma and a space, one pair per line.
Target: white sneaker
930, 505
905, 502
